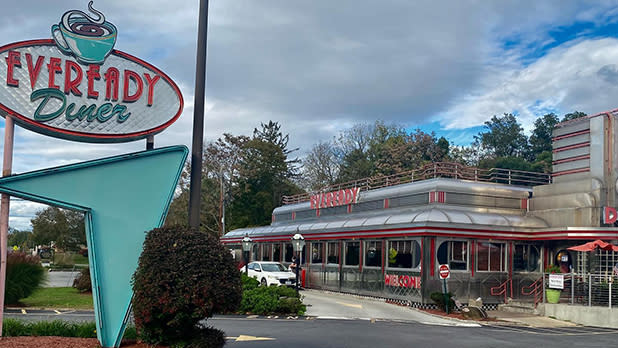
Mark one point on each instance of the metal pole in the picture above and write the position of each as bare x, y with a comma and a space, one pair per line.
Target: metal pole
296, 269
221, 206
7, 163
246, 255
198, 118
446, 299
572, 287
150, 142
589, 290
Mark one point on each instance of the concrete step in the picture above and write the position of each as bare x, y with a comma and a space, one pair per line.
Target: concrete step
518, 309
520, 303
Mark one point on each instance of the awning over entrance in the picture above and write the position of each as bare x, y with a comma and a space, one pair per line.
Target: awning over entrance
594, 245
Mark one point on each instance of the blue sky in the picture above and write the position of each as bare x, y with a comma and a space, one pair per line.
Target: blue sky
320, 67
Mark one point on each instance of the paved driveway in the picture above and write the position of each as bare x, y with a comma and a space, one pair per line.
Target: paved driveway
60, 279
327, 305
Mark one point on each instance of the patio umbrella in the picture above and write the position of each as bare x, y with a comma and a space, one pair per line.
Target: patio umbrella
591, 246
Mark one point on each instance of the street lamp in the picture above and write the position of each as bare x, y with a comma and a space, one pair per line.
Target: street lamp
246, 247
298, 243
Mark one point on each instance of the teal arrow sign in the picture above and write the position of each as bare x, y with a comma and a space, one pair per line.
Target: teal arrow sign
122, 198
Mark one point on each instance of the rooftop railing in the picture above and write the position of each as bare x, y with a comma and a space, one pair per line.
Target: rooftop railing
431, 171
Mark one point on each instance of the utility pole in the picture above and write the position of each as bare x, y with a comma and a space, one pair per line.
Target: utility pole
222, 203
195, 185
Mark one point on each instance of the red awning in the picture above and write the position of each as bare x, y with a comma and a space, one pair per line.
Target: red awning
591, 246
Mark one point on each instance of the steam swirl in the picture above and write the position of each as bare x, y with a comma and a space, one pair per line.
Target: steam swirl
100, 18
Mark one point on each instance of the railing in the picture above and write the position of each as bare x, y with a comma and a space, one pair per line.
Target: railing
536, 290
435, 170
502, 289
588, 289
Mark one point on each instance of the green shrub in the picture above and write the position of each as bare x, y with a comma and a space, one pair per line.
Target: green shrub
249, 283
24, 274
271, 300
438, 299
13, 328
183, 276
261, 300
82, 283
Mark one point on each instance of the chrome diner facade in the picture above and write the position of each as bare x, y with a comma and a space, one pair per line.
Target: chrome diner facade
496, 229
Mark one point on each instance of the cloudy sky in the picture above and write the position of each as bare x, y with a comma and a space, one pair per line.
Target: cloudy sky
320, 66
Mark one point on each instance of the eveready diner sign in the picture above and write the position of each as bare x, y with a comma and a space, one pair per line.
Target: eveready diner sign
334, 198
76, 86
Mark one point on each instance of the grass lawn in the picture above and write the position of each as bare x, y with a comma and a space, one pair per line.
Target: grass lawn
59, 298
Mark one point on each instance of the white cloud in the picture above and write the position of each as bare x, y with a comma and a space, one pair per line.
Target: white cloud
579, 76
318, 67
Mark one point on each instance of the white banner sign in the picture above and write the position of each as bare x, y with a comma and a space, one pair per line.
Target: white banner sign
556, 281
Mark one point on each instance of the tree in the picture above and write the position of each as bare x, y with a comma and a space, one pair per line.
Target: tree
352, 151
21, 239
264, 178
573, 115
541, 138
504, 137
220, 163
64, 227
320, 166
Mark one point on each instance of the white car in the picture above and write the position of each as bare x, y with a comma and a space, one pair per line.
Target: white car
271, 273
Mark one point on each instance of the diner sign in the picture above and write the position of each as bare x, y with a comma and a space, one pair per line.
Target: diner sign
404, 281
334, 198
76, 86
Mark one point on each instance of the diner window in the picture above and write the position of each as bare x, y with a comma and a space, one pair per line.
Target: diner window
254, 253
490, 257
404, 254
526, 258
316, 252
333, 253
277, 252
267, 252
455, 254
289, 252
352, 253
373, 254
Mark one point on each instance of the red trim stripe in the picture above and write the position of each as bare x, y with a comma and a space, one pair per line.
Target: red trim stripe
571, 171
571, 159
570, 147
570, 135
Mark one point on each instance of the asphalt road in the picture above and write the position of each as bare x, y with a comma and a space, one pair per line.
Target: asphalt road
324, 333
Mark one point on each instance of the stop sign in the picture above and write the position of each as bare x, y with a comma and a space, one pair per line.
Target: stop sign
444, 272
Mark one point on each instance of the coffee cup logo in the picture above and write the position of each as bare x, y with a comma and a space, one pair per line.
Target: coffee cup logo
89, 39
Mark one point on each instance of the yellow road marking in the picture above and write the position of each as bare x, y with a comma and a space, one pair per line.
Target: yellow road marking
245, 338
23, 311
351, 305
57, 311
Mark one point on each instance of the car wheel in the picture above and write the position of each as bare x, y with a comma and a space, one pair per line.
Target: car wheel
263, 282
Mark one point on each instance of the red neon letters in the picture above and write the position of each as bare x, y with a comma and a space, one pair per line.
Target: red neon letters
404, 281
133, 84
335, 198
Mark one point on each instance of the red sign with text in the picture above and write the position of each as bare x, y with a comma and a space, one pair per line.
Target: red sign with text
404, 281
444, 272
335, 198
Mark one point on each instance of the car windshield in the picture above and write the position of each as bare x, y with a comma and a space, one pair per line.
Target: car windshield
273, 267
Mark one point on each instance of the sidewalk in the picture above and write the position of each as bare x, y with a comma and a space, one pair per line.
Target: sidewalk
531, 320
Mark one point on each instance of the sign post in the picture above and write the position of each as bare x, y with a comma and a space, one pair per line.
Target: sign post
75, 86
445, 273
